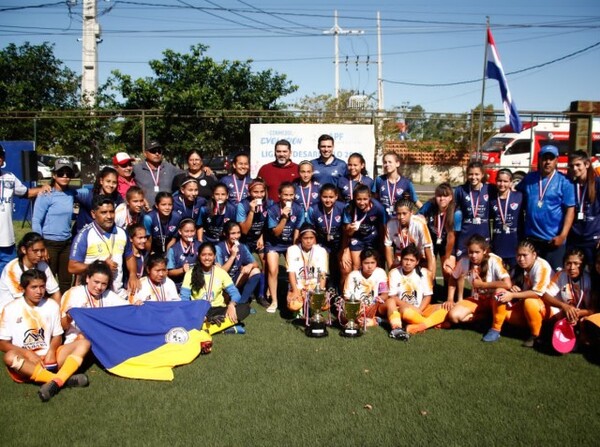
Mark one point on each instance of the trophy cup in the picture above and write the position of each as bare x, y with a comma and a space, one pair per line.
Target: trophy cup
317, 324
351, 311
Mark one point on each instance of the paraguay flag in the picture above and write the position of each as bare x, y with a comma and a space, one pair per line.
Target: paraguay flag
147, 341
493, 70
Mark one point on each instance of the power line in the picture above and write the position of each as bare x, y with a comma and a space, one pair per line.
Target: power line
42, 5
471, 81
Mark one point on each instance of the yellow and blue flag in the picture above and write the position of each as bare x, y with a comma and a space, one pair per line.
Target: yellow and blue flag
145, 342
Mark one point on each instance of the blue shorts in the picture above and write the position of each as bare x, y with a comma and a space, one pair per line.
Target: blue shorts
279, 248
358, 245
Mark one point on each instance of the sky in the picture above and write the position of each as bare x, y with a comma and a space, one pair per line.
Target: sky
432, 42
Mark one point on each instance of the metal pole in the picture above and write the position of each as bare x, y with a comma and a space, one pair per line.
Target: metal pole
380, 105
480, 134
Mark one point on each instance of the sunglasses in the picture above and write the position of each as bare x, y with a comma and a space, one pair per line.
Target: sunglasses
155, 150
64, 173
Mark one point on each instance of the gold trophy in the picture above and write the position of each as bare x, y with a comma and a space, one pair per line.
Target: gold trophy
352, 309
317, 324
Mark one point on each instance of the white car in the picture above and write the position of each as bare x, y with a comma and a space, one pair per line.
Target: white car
44, 172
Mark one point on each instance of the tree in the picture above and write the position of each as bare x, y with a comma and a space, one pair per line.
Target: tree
186, 86
33, 79
325, 108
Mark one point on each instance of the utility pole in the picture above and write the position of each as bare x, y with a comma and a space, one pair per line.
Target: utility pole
89, 53
336, 31
380, 105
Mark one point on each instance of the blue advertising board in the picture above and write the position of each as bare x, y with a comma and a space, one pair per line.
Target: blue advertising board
14, 164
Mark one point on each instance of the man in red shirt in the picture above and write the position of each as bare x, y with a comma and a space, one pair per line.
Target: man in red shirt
283, 169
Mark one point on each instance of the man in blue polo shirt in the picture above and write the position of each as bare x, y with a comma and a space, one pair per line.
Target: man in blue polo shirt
550, 207
328, 168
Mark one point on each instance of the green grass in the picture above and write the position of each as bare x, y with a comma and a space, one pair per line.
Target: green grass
275, 386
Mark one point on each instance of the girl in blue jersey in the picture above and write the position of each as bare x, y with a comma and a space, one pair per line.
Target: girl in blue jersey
186, 202
326, 217
473, 200
364, 227
252, 215
357, 174
506, 215
443, 219
138, 237
235, 258
183, 254
284, 220
215, 214
237, 183
307, 190
585, 232
105, 184
161, 224
391, 186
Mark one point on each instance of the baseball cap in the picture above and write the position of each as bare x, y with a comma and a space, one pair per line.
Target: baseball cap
153, 145
121, 158
63, 163
563, 336
549, 149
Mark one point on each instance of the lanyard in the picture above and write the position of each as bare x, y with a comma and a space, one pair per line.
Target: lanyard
306, 200
306, 262
356, 217
504, 213
542, 192
404, 241
475, 205
581, 197
162, 236
217, 211
141, 271
159, 292
209, 292
188, 250
330, 223
239, 192
392, 192
352, 185
90, 299
156, 179
441, 221
105, 240
229, 251
581, 290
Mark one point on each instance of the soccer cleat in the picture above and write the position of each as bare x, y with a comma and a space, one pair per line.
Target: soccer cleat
263, 301
237, 329
48, 390
399, 334
413, 329
530, 342
491, 336
77, 381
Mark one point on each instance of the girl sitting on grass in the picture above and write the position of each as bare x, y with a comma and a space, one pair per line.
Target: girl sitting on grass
486, 273
410, 297
521, 304
155, 286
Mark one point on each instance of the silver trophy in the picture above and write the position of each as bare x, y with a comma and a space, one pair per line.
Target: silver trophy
317, 324
352, 309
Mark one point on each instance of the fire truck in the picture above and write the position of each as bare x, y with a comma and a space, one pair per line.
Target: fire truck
518, 152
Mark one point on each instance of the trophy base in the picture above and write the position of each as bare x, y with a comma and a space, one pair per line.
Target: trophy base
351, 332
316, 330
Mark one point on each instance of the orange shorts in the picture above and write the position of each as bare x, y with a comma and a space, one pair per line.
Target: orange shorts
480, 307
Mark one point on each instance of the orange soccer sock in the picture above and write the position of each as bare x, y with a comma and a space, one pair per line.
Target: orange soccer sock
500, 311
437, 317
411, 315
42, 375
534, 312
72, 364
395, 320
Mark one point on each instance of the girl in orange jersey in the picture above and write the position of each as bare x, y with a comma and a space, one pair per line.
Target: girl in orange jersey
486, 273
522, 303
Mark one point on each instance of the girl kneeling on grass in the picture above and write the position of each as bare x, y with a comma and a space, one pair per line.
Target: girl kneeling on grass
410, 297
522, 304
485, 272
207, 281
307, 266
369, 285
156, 286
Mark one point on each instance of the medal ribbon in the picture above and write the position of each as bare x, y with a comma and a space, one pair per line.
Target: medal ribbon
209, 292
581, 197
392, 192
306, 200
90, 299
100, 234
239, 192
156, 179
504, 213
475, 205
581, 291
353, 184
159, 292
306, 263
542, 192
441, 221
328, 224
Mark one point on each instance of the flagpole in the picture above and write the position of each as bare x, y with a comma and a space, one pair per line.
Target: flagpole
485, 46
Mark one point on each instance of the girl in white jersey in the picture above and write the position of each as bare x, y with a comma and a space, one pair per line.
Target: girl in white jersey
410, 297
156, 286
522, 304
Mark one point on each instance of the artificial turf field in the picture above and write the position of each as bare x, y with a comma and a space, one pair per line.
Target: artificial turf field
275, 386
